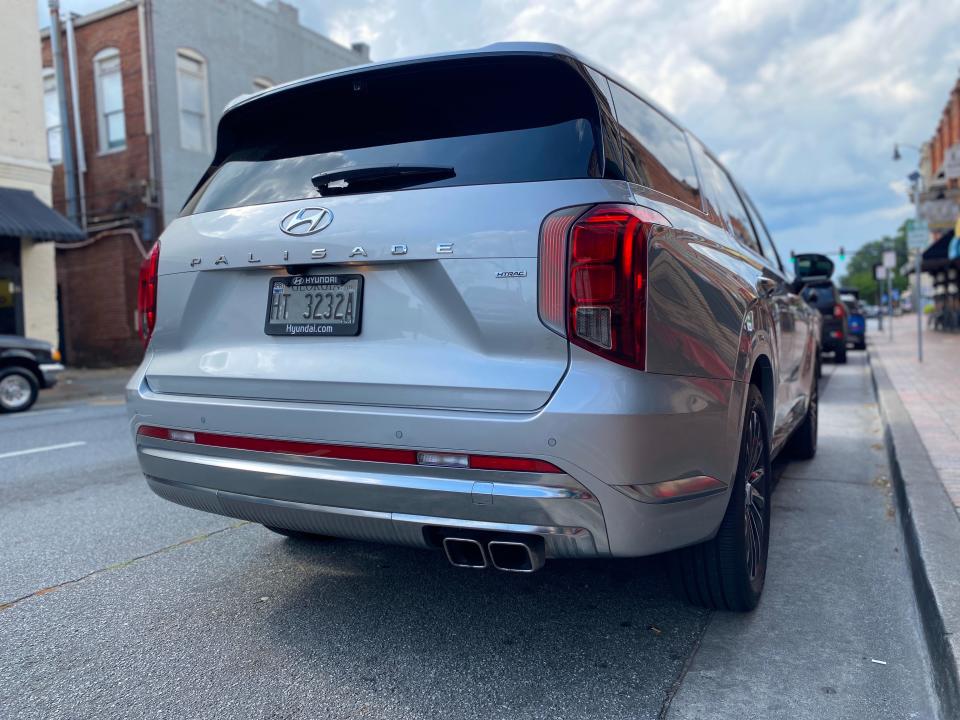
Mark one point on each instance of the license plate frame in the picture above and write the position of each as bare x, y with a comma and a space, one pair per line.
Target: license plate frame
315, 327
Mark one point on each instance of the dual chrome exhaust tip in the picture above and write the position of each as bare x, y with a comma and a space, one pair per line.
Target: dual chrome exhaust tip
508, 555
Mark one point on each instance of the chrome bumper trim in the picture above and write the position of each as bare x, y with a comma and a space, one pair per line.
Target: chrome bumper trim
369, 525
50, 372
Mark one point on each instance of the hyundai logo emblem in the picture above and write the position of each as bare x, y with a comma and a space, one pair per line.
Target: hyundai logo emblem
306, 221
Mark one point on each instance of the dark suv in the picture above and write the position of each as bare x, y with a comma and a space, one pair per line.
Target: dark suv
813, 273
834, 331
26, 367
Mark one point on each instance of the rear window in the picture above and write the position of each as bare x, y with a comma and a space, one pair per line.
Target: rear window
824, 295
494, 120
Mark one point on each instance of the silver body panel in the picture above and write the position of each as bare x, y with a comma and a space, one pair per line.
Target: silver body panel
665, 427
453, 358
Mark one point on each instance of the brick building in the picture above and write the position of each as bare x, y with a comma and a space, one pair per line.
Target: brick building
151, 79
98, 279
939, 205
940, 200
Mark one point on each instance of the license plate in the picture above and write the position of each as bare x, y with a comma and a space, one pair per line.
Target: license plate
314, 305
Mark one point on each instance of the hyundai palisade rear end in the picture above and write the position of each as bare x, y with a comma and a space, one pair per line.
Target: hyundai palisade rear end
415, 303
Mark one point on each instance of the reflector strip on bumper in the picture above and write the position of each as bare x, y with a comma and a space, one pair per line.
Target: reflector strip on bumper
342, 452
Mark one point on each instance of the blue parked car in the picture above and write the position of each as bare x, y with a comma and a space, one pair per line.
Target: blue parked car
856, 321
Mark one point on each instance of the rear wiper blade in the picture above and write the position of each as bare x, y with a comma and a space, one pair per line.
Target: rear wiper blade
384, 177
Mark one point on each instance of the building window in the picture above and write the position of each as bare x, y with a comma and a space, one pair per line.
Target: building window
110, 120
192, 97
262, 83
51, 114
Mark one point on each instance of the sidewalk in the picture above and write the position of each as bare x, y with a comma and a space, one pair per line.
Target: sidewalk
930, 391
920, 407
81, 384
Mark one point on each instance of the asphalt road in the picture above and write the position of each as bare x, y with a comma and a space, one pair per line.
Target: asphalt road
114, 603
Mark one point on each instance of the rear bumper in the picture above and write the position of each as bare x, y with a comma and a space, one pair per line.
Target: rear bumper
833, 337
627, 428
395, 528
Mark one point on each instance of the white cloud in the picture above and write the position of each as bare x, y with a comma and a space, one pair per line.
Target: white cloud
803, 99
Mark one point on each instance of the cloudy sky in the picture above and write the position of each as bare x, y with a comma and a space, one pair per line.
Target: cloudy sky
803, 99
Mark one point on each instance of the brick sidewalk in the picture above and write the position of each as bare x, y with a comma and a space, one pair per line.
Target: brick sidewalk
930, 391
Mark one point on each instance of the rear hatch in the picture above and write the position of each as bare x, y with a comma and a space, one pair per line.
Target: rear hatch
433, 274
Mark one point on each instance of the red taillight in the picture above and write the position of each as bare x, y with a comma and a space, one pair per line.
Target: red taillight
350, 452
552, 287
839, 311
147, 294
604, 265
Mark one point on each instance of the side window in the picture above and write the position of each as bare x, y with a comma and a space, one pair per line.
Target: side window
655, 151
192, 99
766, 242
51, 113
111, 125
729, 205
613, 159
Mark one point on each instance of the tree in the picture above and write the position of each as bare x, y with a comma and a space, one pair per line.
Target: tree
860, 273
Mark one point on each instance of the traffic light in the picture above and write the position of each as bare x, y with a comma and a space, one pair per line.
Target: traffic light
842, 253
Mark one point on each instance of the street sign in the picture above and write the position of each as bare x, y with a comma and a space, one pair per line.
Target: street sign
918, 233
879, 272
890, 259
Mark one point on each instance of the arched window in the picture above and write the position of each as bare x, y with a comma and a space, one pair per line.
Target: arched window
193, 100
111, 125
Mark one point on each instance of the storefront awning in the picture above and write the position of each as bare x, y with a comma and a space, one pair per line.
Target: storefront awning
22, 214
935, 256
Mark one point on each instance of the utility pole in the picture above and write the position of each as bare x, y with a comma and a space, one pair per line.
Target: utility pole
918, 235
890, 299
69, 167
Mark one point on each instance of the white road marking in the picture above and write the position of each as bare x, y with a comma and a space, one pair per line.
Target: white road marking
45, 448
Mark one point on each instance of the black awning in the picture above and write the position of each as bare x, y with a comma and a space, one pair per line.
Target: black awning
935, 256
21, 213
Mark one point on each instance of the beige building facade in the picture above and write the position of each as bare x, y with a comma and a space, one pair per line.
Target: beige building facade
28, 278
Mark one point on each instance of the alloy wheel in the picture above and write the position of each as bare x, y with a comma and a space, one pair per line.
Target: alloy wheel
15, 391
755, 496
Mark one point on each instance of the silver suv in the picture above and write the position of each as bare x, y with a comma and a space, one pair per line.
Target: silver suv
491, 302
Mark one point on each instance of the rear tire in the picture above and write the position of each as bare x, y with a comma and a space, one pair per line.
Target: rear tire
803, 443
727, 572
840, 357
298, 534
18, 389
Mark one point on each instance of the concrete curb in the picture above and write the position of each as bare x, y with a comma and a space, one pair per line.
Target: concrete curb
931, 529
